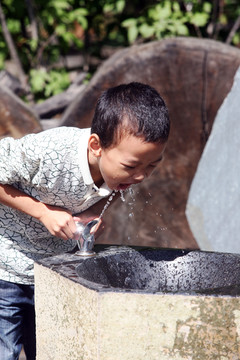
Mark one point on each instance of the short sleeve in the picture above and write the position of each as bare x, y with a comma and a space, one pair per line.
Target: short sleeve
19, 159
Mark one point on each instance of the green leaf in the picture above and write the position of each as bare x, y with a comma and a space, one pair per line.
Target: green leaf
236, 39
108, 8
181, 29
115, 7
58, 81
38, 79
146, 31
2, 61
120, 4
83, 21
129, 22
207, 7
59, 4
74, 14
33, 44
199, 19
132, 34
166, 11
223, 19
78, 42
14, 26
60, 29
131, 25
176, 6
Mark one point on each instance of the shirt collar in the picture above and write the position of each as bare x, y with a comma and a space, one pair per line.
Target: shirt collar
83, 155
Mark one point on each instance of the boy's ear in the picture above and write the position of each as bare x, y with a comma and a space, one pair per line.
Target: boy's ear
94, 145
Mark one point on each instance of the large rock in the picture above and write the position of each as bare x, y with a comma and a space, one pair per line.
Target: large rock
193, 76
16, 117
213, 207
11, 82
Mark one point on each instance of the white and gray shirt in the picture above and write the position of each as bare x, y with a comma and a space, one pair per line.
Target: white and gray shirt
52, 167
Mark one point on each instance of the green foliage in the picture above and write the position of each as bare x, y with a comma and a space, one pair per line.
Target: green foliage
86, 26
45, 84
166, 18
55, 19
114, 7
14, 26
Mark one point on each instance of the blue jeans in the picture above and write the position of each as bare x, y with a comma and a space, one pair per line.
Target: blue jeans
17, 321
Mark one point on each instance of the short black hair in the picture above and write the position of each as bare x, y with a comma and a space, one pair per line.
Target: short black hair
134, 108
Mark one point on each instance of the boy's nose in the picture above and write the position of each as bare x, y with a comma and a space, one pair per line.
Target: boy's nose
139, 176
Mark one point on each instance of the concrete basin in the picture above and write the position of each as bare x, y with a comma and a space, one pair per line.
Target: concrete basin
167, 271
137, 304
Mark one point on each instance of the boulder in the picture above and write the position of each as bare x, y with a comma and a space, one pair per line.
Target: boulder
213, 210
16, 117
193, 76
11, 82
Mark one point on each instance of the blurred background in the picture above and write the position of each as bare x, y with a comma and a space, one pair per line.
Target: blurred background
44, 43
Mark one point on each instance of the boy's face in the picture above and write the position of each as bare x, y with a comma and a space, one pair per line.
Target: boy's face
129, 162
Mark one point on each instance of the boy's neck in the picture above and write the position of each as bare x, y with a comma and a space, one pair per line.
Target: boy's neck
98, 183
94, 169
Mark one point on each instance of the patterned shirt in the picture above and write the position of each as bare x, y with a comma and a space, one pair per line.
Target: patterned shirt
52, 167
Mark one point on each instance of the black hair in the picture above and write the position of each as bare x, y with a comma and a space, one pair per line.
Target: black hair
133, 108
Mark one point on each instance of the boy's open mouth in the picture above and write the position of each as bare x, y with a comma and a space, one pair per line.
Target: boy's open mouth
123, 186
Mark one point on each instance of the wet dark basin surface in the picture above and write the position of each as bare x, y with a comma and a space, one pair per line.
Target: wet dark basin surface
160, 270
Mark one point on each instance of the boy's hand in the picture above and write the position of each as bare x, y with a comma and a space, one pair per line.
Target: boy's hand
58, 221
62, 224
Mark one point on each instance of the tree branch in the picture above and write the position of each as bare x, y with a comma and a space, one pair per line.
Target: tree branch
33, 21
12, 50
233, 30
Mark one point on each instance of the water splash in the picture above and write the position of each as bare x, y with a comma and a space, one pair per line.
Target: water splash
131, 192
122, 198
122, 195
131, 203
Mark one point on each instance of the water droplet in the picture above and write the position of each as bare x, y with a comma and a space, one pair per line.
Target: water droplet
122, 195
131, 192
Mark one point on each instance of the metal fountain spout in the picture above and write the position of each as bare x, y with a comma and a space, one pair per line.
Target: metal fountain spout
86, 240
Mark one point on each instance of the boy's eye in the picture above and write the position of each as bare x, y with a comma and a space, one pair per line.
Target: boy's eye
156, 163
128, 166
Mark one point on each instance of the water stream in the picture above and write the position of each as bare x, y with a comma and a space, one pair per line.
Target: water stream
80, 226
107, 204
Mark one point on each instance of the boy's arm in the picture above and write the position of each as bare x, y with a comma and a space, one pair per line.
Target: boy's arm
57, 220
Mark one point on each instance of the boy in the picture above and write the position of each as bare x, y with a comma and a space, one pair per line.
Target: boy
51, 179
